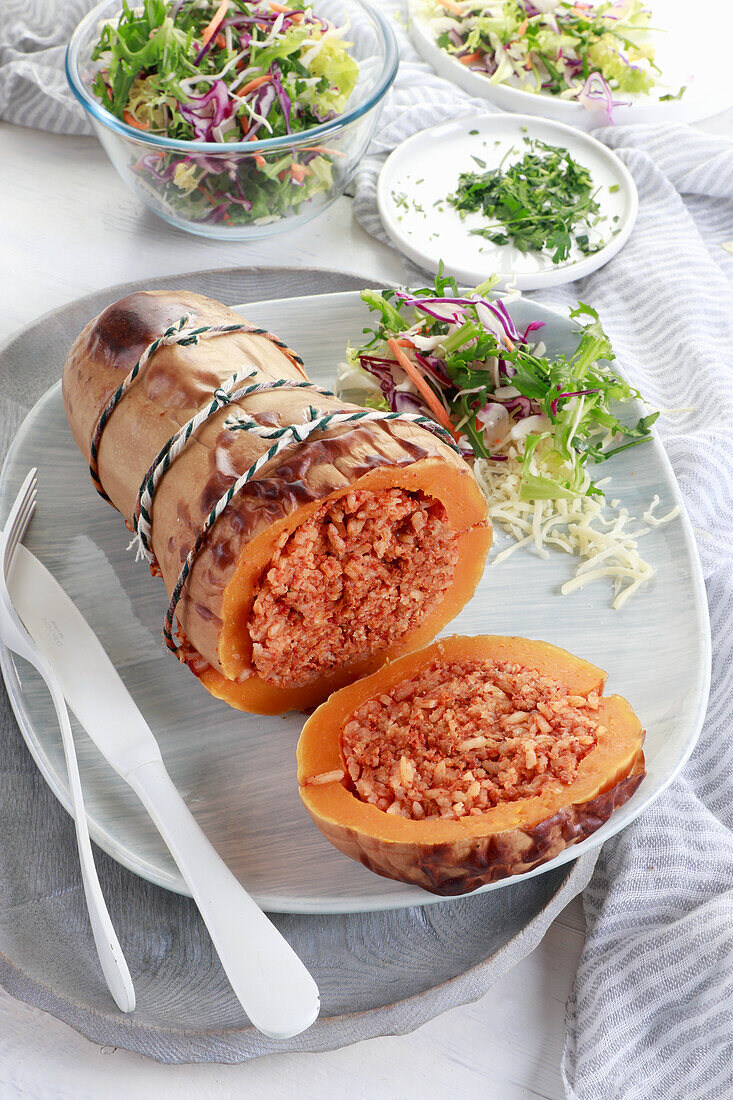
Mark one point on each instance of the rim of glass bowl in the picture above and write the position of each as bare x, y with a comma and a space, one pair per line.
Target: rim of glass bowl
305, 137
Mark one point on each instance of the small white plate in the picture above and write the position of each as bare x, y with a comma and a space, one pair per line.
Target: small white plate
678, 38
421, 172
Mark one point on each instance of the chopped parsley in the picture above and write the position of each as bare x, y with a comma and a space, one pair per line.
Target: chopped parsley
545, 202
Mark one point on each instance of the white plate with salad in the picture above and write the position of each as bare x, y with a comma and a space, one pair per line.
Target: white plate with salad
234, 767
584, 63
537, 202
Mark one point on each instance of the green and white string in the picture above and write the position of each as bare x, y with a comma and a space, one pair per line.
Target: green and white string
178, 333
282, 438
223, 395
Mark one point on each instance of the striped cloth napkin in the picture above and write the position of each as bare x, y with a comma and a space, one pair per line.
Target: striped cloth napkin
651, 1014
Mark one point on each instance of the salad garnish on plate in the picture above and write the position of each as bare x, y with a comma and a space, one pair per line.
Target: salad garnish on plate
586, 52
533, 423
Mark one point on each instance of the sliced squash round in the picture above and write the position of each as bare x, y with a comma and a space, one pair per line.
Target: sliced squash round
469, 761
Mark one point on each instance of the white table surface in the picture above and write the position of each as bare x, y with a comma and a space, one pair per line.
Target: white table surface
68, 227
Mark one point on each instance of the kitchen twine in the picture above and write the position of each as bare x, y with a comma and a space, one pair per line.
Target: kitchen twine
283, 437
176, 334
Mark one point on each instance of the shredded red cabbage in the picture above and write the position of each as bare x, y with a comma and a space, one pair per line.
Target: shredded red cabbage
403, 402
570, 393
150, 163
282, 96
431, 365
596, 90
208, 111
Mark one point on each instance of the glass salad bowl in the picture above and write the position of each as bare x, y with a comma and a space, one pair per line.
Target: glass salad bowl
243, 189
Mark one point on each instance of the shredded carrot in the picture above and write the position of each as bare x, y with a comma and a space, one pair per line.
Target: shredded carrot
132, 121
469, 58
220, 41
295, 16
324, 149
413, 373
258, 158
213, 26
207, 196
298, 172
252, 84
450, 6
522, 27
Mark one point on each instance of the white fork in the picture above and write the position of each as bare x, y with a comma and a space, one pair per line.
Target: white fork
17, 639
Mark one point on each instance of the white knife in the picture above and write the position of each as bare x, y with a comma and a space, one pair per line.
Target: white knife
276, 991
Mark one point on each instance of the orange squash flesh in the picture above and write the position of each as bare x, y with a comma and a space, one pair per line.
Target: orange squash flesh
464, 509
451, 857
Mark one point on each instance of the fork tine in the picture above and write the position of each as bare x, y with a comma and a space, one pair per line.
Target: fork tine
26, 488
19, 530
19, 516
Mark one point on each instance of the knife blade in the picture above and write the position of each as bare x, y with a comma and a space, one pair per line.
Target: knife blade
271, 983
90, 682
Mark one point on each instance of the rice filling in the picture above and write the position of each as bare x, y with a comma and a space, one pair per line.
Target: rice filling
461, 736
353, 579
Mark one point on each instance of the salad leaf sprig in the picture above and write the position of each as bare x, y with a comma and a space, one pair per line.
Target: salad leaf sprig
502, 393
541, 202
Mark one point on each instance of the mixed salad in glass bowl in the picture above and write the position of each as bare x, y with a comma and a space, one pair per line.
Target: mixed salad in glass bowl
231, 118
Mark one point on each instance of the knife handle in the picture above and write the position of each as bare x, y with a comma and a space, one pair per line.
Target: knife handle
273, 986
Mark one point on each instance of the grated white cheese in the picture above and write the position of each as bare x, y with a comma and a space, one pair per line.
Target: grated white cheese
584, 527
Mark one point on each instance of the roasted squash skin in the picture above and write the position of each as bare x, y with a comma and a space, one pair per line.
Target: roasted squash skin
456, 857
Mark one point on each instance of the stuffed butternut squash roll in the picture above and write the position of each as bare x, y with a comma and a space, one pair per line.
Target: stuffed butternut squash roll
302, 541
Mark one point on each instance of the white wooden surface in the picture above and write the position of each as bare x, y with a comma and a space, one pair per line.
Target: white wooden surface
68, 226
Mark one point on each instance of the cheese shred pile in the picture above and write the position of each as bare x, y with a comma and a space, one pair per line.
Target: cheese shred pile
603, 535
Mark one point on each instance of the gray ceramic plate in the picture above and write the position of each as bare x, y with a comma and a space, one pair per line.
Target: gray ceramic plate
237, 771
379, 973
